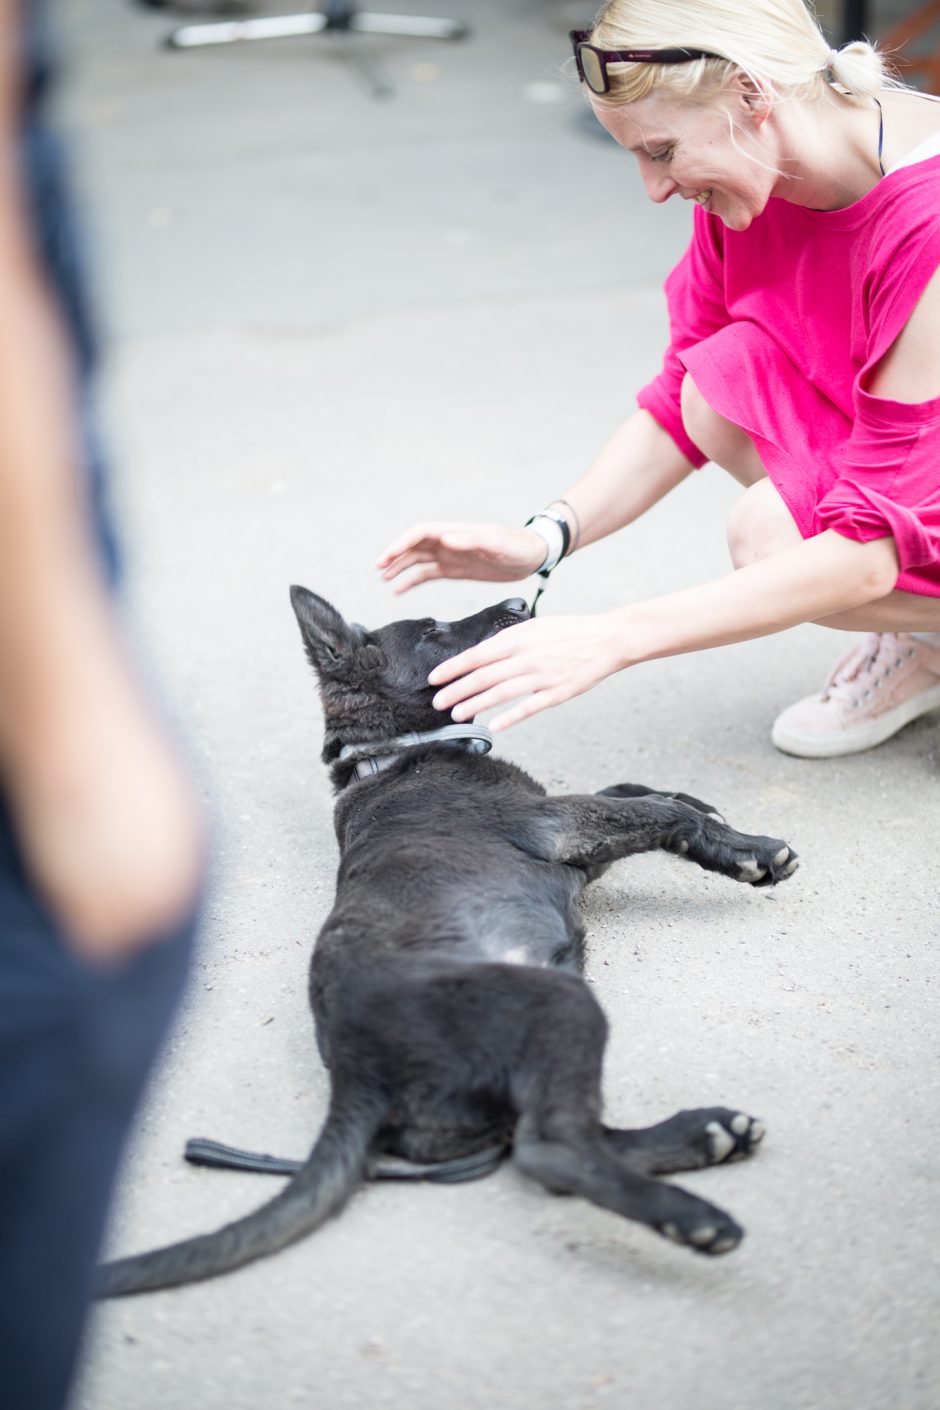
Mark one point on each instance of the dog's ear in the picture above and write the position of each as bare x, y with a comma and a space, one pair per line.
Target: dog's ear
328, 637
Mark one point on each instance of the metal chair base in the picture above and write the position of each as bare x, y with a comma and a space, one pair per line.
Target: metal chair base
338, 18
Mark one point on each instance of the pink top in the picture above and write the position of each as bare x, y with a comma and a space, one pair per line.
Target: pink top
782, 325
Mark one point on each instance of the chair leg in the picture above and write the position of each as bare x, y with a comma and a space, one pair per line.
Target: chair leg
340, 18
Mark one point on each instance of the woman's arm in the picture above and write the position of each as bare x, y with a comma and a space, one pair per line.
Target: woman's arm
552, 659
636, 468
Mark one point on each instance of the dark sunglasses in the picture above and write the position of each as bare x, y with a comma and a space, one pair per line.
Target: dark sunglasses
592, 62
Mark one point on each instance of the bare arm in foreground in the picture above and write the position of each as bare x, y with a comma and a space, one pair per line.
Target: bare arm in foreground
104, 818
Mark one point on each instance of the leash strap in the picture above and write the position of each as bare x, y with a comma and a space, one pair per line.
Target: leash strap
539, 590
202, 1151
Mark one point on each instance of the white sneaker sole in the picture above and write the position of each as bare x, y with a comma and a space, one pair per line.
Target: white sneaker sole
858, 738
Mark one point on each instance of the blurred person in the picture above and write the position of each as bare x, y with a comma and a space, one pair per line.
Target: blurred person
804, 360
99, 837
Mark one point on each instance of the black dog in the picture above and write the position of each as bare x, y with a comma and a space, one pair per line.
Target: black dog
446, 983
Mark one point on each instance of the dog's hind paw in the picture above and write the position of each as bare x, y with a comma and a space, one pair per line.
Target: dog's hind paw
702, 1136
731, 1136
706, 1230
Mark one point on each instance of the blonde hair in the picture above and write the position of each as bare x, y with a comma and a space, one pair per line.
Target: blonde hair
777, 44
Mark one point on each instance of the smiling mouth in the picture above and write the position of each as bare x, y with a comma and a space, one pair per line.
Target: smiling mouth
703, 198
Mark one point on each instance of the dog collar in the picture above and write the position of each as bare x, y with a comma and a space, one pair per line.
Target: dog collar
375, 755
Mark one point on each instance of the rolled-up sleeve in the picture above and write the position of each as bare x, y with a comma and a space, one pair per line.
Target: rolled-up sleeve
889, 479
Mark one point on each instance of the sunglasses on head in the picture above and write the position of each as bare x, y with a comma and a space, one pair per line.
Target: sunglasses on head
592, 62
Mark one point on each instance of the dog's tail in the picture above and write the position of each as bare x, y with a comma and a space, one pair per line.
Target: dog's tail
336, 1165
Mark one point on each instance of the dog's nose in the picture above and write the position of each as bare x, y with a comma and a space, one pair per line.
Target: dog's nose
516, 604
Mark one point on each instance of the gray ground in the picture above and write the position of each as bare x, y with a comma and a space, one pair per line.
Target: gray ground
331, 315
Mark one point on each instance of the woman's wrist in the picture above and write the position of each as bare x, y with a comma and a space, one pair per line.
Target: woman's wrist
572, 518
631, 636
553, 530
559, 529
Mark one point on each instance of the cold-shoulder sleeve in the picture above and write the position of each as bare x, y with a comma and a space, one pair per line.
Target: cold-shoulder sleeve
888, 475
697, 308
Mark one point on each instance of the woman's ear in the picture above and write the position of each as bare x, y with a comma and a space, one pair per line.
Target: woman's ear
755, 101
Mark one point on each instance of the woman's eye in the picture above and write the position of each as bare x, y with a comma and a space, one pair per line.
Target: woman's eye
662, 156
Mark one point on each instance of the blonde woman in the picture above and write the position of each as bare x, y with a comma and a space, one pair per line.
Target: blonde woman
805, 360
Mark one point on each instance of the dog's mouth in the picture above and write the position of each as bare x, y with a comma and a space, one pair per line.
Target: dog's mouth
509, 614
507, 619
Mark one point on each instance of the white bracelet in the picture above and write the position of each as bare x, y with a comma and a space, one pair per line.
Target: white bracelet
550, 532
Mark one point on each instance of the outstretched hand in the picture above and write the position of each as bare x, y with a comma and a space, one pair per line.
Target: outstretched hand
483, 552
548, 660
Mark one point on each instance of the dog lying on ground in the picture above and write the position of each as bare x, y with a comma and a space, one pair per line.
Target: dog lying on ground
446, 982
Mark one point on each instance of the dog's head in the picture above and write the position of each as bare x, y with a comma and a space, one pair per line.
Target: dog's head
374, 684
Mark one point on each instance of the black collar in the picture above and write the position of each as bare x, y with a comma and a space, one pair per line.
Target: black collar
374, 755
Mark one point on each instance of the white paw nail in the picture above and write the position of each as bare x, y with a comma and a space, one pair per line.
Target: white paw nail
740, 1123
788, 871
758, 1130
704, 1235
683, 846
781, 856
671, 1232
720, 1141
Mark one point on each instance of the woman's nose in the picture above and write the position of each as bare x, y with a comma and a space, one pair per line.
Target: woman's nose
659, 186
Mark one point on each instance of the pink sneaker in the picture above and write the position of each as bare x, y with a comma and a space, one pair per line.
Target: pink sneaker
883, 683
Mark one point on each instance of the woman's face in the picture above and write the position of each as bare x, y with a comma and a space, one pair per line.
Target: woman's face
685, 149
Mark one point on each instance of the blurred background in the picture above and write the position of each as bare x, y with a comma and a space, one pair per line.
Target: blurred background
352, 280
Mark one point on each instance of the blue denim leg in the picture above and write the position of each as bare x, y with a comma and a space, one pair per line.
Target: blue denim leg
76, 1045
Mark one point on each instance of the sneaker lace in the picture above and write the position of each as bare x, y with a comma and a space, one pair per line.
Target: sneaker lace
865, 667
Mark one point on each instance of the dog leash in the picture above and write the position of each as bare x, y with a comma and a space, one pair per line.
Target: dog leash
202, 1151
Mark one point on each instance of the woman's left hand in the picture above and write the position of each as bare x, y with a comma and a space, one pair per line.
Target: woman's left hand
548, 660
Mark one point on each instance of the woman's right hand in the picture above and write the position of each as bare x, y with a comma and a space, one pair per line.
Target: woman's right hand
486, 552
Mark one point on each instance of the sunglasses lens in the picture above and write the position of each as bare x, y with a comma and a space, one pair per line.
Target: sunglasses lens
593, 71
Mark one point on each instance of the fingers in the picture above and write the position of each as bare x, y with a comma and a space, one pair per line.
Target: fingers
547, 661
422, 574
488, 653
418, 537
400, 546
537, 701
486, 699
404, 562
488, 552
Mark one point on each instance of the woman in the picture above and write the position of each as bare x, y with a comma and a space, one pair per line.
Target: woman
805, 360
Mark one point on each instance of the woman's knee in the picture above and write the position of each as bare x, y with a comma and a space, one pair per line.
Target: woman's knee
723, 442
759, 524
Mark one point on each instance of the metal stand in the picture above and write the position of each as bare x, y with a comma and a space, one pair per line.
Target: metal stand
337, 16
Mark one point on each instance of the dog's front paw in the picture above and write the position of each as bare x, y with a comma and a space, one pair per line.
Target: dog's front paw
756, 861
767, 863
